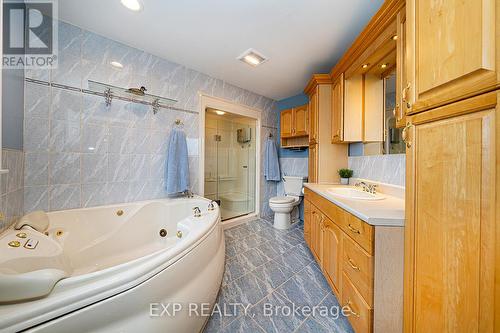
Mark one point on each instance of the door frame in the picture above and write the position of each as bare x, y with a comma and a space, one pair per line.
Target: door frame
207, 101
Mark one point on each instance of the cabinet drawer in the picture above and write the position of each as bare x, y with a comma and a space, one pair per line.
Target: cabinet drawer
361, 315
358, 266
358, 230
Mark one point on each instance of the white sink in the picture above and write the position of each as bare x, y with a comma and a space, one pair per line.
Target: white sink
354, 193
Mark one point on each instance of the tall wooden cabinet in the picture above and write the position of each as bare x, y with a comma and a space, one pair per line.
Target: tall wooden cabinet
452, 51
325, 158
451, 223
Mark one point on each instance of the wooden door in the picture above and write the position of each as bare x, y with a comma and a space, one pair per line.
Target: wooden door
307, 222
313, 163
452, 47
338, 110
401, 78
301, 121
450, 230
332, 253
313, 117
286, 123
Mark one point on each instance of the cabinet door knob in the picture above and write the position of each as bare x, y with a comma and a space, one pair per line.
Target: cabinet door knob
405, 135
403, 95
352, 264
348, 305
353, 230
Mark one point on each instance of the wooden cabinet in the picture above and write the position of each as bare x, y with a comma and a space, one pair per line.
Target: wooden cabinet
325, 158
294, 122
332, 252
301, 120
353, 109
307, 222
401, 77
344, 247
452, 51
452, 165
338, 109
313, 164
313, 113
286, 123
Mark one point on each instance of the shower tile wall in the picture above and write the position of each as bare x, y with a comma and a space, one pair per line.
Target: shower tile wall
388, 169
11, 187
79, 153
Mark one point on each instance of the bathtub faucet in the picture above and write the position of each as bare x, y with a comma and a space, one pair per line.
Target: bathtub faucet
188, 193
197, 211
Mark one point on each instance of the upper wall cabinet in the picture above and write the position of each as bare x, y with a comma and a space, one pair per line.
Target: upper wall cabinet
294, 127
338, 110
452, 53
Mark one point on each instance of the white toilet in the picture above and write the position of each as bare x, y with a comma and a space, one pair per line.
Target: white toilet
286, 209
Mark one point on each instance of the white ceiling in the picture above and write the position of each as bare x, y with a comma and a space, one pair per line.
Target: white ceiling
300, 37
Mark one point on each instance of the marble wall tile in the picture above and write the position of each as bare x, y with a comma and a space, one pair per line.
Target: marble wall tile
12, 187
388, 169
81, 153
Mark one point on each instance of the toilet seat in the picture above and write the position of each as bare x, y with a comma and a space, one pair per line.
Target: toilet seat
282, 200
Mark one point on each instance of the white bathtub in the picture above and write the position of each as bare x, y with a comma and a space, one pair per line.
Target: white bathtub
119, 269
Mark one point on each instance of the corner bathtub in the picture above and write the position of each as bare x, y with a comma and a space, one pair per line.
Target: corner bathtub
117, 266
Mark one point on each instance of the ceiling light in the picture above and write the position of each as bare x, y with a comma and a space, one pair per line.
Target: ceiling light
220, 113
134, 5
252, 58
395, 37
365, 66
384, 65
116, 64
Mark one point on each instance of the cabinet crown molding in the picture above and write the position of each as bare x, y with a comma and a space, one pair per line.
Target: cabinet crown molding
316, 80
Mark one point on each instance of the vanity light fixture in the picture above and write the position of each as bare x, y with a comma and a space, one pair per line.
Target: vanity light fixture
116, 64
220, 113
134, 5
365, 66
252, 58
395, 37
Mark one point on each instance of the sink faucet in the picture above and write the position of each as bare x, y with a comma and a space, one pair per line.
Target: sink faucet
370, 188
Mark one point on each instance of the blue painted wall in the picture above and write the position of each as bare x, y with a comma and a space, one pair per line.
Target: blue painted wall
285, 104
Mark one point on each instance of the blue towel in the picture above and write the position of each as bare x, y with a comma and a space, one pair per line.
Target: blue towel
271, 162
177, 169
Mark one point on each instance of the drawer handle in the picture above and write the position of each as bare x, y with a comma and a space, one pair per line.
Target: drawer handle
349, 306
354, 230
352, 264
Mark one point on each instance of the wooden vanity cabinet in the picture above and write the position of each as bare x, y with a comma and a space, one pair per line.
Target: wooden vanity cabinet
345, 248
451, 47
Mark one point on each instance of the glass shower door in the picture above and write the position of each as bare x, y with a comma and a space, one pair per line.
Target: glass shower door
230, 163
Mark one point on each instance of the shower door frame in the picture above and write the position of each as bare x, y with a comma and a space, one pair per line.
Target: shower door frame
207, 101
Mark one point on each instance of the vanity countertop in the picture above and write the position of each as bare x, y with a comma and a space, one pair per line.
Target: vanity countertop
389, 211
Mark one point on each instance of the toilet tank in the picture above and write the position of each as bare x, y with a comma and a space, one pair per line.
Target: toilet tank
293, 185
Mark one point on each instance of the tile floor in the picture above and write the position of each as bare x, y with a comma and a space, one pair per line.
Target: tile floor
271, 269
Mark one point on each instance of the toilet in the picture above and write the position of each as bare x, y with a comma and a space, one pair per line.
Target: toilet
286, 209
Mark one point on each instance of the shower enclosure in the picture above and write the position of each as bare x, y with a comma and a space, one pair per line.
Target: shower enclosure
230, 162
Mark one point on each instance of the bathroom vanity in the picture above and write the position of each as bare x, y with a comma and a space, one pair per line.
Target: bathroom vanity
359, 245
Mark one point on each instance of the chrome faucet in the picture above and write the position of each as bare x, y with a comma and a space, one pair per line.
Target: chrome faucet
370, 188
211, 205
188, 194
197, 211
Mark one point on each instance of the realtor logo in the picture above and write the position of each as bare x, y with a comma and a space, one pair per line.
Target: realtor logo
29, 34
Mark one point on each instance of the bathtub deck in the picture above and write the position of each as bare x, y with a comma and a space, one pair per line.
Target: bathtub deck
267, 266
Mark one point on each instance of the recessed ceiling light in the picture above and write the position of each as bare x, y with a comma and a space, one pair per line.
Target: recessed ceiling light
252, 58
220, 113
395, 37
116, 64
365, 65
134, 5
384, 65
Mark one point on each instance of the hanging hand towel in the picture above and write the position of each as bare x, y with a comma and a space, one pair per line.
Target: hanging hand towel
271, 162
177, 169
